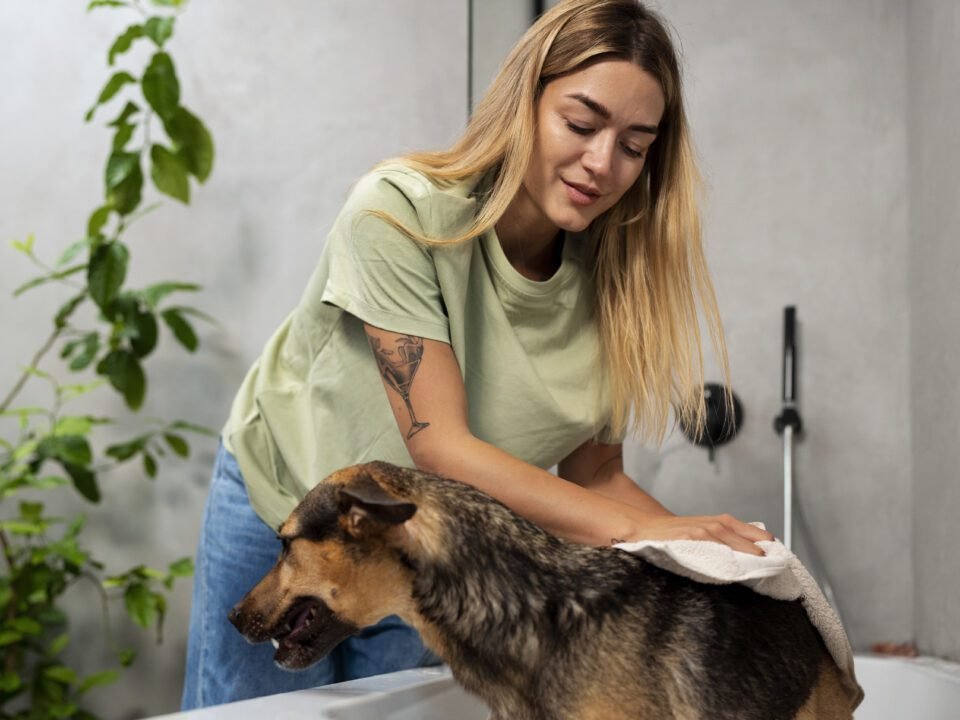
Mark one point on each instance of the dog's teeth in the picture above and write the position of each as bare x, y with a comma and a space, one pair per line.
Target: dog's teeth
276, 643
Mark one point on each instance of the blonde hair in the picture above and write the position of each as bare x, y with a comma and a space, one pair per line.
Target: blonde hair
649, 269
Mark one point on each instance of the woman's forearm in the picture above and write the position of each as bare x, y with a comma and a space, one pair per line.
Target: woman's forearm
620, 487
607, 510
560, 507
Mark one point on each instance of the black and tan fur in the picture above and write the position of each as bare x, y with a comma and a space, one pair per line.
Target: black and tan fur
539, 628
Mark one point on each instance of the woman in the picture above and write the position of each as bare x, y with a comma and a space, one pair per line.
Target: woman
522, 297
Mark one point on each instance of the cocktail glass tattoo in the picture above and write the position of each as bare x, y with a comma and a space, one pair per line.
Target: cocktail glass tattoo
398, 367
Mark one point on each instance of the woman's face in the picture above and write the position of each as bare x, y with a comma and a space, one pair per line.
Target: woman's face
594, 128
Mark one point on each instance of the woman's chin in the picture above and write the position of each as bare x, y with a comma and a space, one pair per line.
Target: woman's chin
573, 222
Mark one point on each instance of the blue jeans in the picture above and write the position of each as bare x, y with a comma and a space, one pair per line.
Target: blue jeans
237, 549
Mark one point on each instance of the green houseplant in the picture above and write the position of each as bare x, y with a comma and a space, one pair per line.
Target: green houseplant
102, 334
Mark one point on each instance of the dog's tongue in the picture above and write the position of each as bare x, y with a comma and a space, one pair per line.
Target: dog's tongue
302, 620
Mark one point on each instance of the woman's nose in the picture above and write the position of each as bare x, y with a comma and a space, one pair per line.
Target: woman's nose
598, 156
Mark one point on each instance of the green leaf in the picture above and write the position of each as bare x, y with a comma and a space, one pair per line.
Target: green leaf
19, 527
178, 444
160, 85
9, 637
182, 567
125, 451
187, 310
38, 597
107, 271
9, 682
59, 644
66, 310
47, 482
25, 247
122, 136
74, 425
67, 448
124, 185
73, 250
192, 142
149, 465
113, 86
27, 626
153, 294
130, 109
182, 329
84, 481
31, 511
76, 526
120, 166
104, 677
192, 427
60, 673
123, 370
168, 3
123, 43
98, 219
169, 174
159, 29
141, 604
105, 3
145, 337
68, 550
59, 275
126, 657
91, 346
63, 711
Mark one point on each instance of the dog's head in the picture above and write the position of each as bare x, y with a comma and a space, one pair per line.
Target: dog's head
340, 568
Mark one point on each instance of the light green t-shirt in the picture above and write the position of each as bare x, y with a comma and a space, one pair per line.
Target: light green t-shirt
314, 401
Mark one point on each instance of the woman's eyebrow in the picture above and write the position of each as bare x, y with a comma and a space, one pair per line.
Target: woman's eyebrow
603, 112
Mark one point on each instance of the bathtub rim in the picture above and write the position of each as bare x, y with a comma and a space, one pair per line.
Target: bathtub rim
948, 669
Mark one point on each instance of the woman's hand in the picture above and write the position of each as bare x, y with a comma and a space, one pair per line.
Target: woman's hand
724, 529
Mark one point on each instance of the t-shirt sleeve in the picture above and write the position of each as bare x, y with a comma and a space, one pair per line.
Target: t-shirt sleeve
377, 273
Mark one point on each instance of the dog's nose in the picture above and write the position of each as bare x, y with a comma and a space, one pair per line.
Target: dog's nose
235, 617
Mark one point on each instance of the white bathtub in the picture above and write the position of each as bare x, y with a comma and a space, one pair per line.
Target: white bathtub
896, 689
908, 688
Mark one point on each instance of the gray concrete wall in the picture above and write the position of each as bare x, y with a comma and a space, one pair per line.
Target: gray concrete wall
798, 112
302, 98
934, 264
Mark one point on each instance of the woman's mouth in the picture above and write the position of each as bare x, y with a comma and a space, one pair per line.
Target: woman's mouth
580, 194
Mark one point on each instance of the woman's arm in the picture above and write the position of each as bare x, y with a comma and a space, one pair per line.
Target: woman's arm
442, 443
599, 467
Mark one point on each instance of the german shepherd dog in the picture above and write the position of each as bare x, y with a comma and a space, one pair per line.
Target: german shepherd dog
538, 628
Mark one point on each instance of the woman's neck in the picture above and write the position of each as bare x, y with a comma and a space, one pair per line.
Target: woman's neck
532, 244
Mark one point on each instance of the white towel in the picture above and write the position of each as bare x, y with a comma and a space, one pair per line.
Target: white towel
778, 574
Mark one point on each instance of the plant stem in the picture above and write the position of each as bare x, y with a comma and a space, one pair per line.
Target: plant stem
33, 363
104, 608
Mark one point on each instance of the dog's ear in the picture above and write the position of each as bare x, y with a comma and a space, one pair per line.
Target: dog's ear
367, 509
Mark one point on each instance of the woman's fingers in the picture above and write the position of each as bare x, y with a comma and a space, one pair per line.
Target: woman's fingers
724, 529
736, 541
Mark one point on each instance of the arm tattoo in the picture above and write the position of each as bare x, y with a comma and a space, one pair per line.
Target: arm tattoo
398, 368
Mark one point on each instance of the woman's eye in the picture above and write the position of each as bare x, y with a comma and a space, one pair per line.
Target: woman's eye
579, 129
634, 153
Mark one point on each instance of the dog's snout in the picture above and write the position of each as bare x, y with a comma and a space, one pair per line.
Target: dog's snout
235, 616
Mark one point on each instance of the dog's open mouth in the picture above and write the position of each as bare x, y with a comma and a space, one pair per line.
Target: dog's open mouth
308, 631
